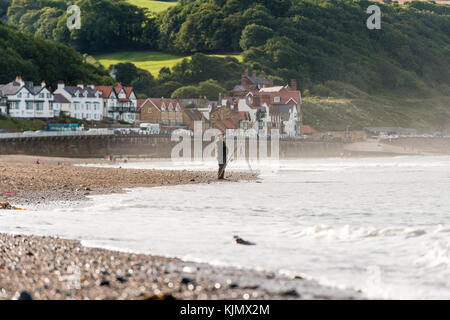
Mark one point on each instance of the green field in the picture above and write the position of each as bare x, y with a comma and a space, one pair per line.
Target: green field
151, 61
155, 6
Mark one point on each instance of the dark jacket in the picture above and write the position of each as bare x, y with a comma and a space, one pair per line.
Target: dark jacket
222, 152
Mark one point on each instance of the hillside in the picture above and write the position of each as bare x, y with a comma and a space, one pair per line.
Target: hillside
36, 59
151, 61
425, 114
315, 41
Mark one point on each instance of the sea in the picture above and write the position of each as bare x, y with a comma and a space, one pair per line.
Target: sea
378, 225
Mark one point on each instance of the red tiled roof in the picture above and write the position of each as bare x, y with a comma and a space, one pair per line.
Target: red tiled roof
127, 90
194, 114
228, 124
106, 90
158, 102
306, 129
140, 102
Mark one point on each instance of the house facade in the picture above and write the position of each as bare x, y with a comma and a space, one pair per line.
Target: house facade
119, 103
25, 100
86, 103
281, 108
168, 113
191, 116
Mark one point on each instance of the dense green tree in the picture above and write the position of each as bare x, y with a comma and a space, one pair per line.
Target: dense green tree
315, 41
255, 35
105, 24
125, 73
36, 59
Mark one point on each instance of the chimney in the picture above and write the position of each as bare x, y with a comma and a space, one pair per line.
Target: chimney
294, 84
19, 80
271, 81
254, 74
61, 85
80, 86
43, 84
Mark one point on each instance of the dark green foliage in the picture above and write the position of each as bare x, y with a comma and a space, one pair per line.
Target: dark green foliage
36, 59
209, 89
4, 4
105, 24
315, 41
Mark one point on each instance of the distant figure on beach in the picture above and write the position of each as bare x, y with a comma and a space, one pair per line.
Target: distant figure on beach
222, 157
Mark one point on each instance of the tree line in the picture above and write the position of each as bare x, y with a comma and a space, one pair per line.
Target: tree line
323, 44
37, 59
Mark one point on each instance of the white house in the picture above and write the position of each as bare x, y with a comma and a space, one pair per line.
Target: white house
60, 104
85, 102
24, 100
119, 103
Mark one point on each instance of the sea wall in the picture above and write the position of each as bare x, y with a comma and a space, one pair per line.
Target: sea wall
422, 145
158, 146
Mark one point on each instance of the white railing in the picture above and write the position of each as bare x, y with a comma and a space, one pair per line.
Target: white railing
53, 134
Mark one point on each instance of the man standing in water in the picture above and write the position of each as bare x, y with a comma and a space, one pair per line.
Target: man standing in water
222, 154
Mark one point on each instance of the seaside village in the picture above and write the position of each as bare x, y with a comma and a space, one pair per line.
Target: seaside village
254, 103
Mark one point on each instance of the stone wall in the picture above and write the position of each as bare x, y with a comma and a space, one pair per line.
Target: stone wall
157, 146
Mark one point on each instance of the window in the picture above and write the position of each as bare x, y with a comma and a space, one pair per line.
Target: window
19, 95
29, 105
88, 106
39, 106
41, 96
277, 99
50, 105
76, 105
96, 106
49, 95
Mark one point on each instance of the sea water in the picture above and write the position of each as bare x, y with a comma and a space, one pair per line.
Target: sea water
379, 225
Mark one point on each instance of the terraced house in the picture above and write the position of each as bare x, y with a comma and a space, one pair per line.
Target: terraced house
86, 103
20, 99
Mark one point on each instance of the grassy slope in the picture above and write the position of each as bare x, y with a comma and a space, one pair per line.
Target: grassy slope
335, 114
155, 6
13, 125
151, 61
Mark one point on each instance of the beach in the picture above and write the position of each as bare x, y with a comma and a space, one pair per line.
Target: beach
55, 268
24, 182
